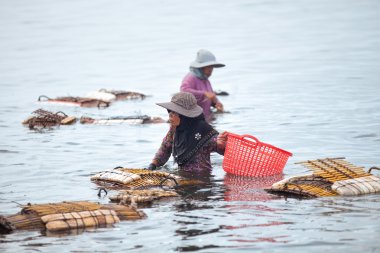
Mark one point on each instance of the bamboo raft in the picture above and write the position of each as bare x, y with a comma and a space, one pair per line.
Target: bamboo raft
76, 101
330, 177
67, 215
133, 120
43, 119
120, 178
124, 95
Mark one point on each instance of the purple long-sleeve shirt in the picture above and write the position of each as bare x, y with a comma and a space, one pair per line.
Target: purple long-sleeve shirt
198, 87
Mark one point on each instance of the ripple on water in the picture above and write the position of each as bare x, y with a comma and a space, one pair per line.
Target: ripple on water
5, 151
370, 135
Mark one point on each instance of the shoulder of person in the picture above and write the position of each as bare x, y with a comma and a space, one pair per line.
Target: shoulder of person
189, 77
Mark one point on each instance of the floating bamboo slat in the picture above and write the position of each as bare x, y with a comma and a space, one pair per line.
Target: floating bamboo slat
335, 169
75, 220
141, 196
357, 186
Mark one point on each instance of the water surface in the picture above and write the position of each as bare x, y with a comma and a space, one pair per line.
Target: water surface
302, 75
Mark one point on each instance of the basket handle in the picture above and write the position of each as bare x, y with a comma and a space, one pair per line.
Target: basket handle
246, 136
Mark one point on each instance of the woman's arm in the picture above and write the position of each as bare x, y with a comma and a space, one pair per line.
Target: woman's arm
165, 150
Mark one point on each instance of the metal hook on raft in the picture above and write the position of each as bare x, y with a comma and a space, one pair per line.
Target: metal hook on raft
43, 96
100, 192
103, 104
60, 112
373, 168
168, 178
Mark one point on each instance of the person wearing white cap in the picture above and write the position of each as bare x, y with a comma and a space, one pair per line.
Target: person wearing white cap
190, 138
197, 82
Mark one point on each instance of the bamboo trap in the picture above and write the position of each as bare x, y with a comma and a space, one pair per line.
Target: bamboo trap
30, 217
43, 118
143, 179
331, 177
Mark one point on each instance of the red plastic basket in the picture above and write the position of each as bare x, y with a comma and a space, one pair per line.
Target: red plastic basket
245, 155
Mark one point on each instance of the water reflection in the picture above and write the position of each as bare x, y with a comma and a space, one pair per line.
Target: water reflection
69, 232
239, 188
77, 231
195, 248
276, 239
194, 197
242, 200
246, 205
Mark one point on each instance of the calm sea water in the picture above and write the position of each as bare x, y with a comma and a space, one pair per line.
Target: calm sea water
302, 75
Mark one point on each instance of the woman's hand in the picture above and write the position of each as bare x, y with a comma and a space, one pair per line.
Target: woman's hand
210, 95
221, 141
219, 107
152, 166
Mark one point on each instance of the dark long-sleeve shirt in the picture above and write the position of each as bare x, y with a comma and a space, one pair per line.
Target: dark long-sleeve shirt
200, 162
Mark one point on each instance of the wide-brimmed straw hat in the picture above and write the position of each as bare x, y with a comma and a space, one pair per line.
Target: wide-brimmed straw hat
205, 58
183, 103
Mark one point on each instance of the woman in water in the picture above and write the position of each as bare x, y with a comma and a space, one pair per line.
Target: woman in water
190, 138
